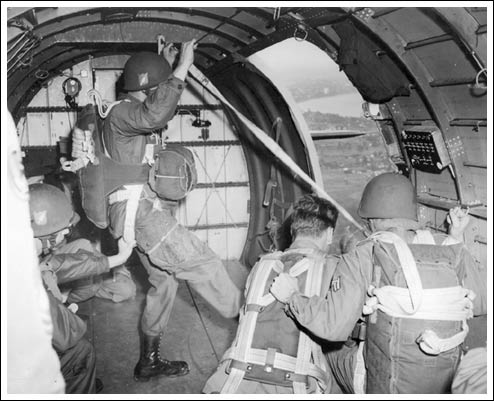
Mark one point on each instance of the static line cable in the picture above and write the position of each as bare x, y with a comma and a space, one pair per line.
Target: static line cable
203, 323
275, 148
20, 49
19, 59
17, 42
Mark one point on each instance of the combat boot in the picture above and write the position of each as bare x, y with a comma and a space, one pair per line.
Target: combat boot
150, 363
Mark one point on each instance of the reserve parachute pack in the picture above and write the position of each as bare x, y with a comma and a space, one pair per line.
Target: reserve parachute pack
173, 174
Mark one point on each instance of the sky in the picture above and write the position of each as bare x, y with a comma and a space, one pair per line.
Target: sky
286, 62
290, 57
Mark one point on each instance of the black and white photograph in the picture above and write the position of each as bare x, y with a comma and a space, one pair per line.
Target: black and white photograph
242, 200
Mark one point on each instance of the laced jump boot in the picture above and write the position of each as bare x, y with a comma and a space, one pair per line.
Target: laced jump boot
150, 363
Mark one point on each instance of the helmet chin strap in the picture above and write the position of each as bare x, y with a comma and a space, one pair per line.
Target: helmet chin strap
47, 243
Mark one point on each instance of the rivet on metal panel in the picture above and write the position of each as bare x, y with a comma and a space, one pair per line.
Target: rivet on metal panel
365, 13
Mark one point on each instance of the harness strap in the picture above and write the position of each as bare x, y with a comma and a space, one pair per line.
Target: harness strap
247, 325
264, 372
408, 265
312, 287
281, 361
430, 342
360, 373
447, 304
241, 351
131, 212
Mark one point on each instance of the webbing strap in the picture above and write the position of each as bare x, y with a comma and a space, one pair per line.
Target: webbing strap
359, 373
298, 268
430, 342
255, 293
131, 212
241, 350
233, 381
408, 265
304, 352
281, 361
448, 304
267, 374
248, 321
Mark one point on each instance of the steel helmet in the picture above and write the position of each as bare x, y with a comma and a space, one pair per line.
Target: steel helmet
145, 70
387, 196
50, 209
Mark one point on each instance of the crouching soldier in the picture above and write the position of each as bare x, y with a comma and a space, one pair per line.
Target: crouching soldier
271, 353
78, 269
51, 218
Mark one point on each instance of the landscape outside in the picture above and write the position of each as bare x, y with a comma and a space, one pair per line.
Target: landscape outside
329, 101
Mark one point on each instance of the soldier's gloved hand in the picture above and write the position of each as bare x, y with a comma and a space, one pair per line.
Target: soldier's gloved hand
458, 220
283, 287
187, 54
170, 53
186, 60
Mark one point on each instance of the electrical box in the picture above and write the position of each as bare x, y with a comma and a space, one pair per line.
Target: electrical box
426, 148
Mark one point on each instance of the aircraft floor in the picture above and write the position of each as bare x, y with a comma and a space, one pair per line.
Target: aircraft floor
196, 333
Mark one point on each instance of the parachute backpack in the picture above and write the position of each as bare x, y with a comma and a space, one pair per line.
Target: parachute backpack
99, 175
173, 174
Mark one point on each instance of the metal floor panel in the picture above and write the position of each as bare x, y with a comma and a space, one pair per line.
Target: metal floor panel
113, 328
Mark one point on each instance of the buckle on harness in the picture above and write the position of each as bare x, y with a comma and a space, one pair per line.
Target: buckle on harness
359, 331
267, 374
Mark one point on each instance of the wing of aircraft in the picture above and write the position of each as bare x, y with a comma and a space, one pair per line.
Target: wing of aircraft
334, 134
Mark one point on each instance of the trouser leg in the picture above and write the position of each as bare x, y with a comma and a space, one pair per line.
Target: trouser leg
218, 290
78, 366
159, 298
118, 287
342, 361
159, 304
173, 248
196, 263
